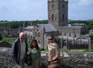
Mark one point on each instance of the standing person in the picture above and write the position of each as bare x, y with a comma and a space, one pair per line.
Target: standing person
35, 53
53, 53
19, 50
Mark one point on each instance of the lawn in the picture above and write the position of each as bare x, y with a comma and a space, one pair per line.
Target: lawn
9, 39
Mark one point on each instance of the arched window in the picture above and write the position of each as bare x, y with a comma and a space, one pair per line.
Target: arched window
63, 5
63, 17
52, 17
52, 6
64, 34
55, 18
69, 34
75, 35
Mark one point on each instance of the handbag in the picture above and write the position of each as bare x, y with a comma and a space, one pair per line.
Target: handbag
28, 59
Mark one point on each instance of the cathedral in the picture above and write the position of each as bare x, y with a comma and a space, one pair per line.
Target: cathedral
58, 26
58, 16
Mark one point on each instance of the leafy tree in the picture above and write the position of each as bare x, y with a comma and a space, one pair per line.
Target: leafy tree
90, 25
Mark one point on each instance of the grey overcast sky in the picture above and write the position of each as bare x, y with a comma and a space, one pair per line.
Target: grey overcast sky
13, 10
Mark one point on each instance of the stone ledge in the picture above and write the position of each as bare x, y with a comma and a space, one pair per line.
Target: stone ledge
68, 60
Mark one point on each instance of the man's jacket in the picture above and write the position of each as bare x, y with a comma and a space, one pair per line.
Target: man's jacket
16, 48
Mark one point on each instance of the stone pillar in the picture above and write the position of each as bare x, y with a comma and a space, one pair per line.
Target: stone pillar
67, 43
90, 39
43, 30
91, 43
61, 42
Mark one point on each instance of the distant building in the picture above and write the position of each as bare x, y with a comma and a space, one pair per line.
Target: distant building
7, 31
29, 32
42, 33
74, 30
58, 16
58, 26
58, 12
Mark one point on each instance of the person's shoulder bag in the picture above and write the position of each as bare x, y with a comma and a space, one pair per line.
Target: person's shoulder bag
28, 59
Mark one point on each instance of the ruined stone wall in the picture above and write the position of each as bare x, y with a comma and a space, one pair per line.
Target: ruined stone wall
68, 60
6, 60
78, 60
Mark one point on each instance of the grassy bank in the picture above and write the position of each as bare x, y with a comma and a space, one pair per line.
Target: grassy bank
9, 39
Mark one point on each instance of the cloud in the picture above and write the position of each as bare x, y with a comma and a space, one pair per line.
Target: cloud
80, 9
38, 9
86, 2
82, 2
23, 9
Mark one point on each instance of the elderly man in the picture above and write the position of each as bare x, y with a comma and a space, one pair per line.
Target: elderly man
19, 50
53, 53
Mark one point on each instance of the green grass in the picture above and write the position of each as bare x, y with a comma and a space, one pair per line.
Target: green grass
45, 49
28, 44
88, 51
9, 39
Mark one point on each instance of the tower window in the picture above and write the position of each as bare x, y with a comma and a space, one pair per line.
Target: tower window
63, 17
64, 34
70, 34
52, 6
74, 35
55, 18
52, 17
63, 5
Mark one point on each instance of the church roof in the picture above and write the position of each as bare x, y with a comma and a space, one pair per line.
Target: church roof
29, 27
76, 25
48, 27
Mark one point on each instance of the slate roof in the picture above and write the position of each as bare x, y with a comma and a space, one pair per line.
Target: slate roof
48, 27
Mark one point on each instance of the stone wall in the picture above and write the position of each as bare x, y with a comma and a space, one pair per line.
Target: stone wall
68, 60
6, 60
4, 44
78, 60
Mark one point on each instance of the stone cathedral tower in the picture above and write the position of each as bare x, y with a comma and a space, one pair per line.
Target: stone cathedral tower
58, 12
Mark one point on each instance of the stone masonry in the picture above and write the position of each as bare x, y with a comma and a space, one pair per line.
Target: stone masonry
58, 12
68, 60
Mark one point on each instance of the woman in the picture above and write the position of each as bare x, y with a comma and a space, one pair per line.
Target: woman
36, 55
53, 53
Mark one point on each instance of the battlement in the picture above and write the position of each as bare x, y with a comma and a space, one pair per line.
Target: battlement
58, 0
